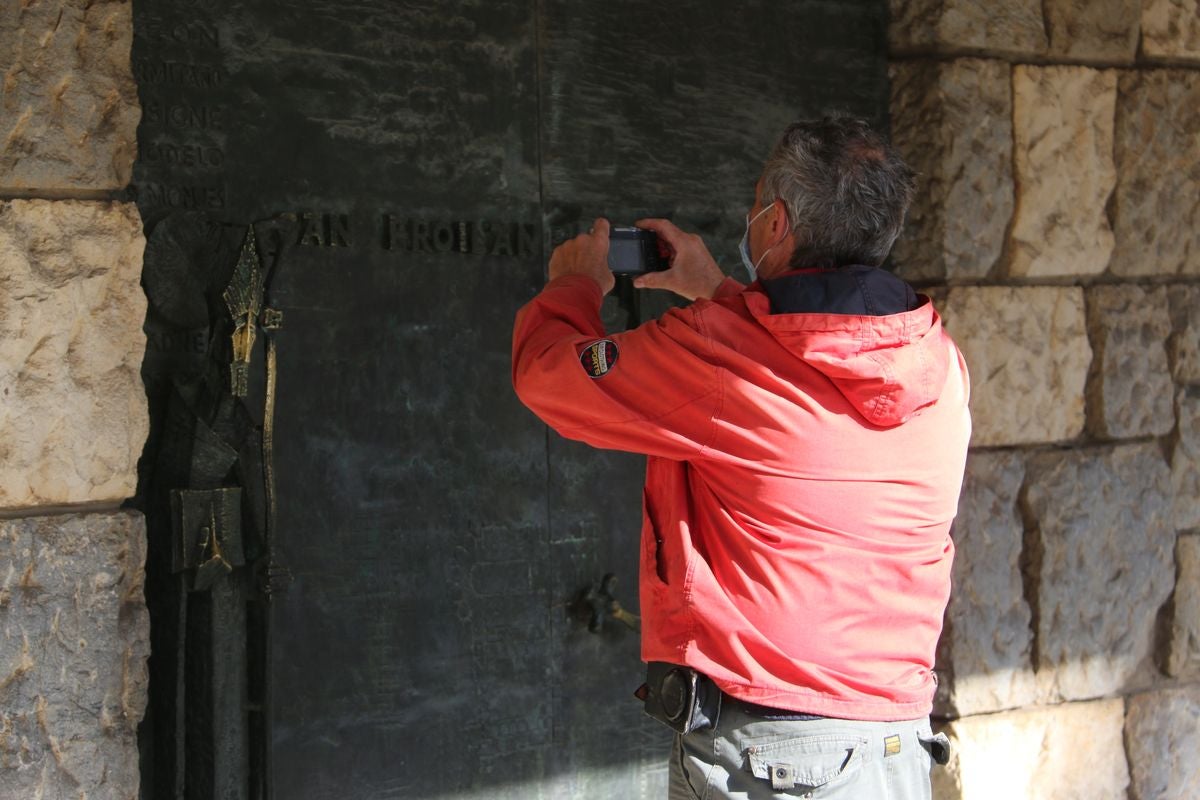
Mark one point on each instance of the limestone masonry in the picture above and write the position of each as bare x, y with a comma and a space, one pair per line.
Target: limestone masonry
74, 630
1058, 222
68, 105
1062, 118
71, 346
954, 122
1028, 352
73, 648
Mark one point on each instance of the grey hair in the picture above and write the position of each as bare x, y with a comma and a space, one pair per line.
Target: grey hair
845, 188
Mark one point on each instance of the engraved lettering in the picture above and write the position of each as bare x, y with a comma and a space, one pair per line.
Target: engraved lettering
184, 155
190, 32
202, 117
151, 72
420, 237
312, 230
323, 229
502, 243
468, 237
396, 233
479, 241
337, 230
190, 341
192, 197
443, 237
526, 236
182, 115
564, 233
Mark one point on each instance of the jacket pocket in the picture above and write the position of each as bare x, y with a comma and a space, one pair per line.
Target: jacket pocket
652, 541
800, 765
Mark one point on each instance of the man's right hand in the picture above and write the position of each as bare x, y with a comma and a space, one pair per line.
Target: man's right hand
693, 272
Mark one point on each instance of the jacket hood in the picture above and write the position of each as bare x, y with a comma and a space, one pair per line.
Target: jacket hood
888, 366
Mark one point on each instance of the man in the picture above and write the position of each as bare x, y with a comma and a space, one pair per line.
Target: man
806, 436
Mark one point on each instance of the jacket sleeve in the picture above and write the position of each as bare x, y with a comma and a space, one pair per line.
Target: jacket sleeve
660, 392
727, 288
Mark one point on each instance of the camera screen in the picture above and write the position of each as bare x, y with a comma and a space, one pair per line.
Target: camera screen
625, 255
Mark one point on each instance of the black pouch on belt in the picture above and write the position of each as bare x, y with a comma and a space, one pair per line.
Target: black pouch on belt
679, 697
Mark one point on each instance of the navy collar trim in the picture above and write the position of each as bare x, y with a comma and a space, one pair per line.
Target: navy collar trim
855, 290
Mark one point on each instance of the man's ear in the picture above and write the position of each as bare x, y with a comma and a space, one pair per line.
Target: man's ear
780, 225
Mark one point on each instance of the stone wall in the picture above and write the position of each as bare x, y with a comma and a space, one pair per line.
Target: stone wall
74, 632
1059, 226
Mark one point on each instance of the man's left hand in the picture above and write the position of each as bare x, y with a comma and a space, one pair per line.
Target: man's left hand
586, 254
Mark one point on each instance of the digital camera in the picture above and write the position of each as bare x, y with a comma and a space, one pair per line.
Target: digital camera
634, 251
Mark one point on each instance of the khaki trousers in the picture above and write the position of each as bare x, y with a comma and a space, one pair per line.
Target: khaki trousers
749, 757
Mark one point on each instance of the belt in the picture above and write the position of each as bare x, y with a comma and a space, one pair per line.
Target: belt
766, 712
757, 710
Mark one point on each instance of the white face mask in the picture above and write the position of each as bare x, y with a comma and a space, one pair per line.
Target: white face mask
744, 246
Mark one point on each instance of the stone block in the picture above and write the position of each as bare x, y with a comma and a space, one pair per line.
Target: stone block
1103, 30
1156, 204
1185, 460
68, 104
74, 639
1066, 752
1171, 29
1183, 347
952, 121
1028, 354
1102, 564
1183, 657
1130, 392
73, 419
984, 661
1006, 27
1162, 738
1063, 159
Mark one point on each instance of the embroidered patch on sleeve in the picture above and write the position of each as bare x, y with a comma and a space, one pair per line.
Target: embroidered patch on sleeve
599, 357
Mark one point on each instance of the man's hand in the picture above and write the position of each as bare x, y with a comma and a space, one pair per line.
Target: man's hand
693, 272
586, 254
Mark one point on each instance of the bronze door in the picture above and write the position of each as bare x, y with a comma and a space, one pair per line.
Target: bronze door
364, 561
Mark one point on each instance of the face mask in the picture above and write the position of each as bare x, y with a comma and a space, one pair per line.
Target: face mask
744, 247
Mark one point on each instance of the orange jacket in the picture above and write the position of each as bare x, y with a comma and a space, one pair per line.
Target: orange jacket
804, 471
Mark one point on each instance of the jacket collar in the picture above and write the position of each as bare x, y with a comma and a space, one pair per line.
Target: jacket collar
857, 290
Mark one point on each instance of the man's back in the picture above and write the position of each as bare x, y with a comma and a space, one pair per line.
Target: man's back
814, 526
804, 472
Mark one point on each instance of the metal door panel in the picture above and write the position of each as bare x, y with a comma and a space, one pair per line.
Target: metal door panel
407, 166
